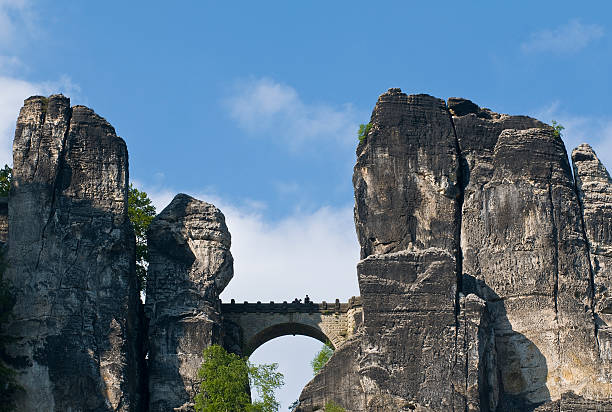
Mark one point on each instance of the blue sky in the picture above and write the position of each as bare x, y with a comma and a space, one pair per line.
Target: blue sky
254, 106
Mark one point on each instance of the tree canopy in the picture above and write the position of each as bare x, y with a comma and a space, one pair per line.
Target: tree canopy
322, 357
557, 129
141, 212
6, 175
225, 379
363, 131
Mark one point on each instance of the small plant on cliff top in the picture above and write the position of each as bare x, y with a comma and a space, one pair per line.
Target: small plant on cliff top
557, 129
225, 383
141, 212
322, 357
363, 131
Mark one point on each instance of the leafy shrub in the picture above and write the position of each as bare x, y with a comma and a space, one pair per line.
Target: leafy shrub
225, 383
332, 406
322, 357
363, 131
557, 129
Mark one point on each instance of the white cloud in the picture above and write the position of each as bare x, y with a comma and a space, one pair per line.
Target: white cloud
304, 253
594, 130
264, 107
568, 38
17, 20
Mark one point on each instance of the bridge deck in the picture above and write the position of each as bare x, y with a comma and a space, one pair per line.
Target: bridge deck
295, 306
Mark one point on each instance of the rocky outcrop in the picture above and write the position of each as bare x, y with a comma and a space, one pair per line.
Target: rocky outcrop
407, 204
405, 178
71, 262
476, 280
190, 265
595, 191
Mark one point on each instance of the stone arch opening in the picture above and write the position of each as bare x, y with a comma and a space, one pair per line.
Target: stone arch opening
283, 329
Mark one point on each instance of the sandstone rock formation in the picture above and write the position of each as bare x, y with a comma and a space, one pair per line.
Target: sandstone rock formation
595, 190
485, 272
476, 281
190, 265
71, 261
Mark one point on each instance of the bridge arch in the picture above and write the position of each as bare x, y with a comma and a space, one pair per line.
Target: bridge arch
258, 323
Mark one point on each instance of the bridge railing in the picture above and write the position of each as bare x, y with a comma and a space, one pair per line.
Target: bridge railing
297, 305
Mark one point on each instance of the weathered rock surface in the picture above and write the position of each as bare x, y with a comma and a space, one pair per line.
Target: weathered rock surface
71, 261
190, 265
531, 265
476, 280
407, 204
595, 191
405, 178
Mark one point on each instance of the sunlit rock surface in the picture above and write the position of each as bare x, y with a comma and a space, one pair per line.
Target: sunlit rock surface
478, 267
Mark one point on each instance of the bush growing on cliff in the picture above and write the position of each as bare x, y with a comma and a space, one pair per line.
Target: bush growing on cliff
332, 406
322, 357
225, 383
6, 175
363, 131
557, 129
141, 212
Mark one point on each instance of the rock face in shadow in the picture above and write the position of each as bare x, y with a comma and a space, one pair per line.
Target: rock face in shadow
190, 265
595, 190
71, 262
475, 276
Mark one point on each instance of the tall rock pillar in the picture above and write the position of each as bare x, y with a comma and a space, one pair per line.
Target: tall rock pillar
595, 191
412, 351
190, 265
71, 261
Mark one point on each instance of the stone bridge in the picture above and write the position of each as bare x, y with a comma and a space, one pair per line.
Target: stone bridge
257, 323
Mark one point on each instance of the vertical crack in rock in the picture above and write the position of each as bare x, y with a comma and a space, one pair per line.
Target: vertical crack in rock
459, 260
555, 238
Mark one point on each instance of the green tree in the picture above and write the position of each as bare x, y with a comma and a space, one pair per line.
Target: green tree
557, 129
141, 212
8, 384
225, 383
265, 379
363, 131
322, 357
6, 175
332, 406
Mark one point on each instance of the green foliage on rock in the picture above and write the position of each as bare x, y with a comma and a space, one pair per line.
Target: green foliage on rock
557, 129
332, 406
363, 131
141, 212
8, 385
6, 175
225, 379
265, 379
322, 357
